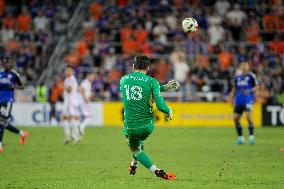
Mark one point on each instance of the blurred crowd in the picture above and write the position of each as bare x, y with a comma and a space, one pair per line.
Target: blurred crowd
28, 31
204, 62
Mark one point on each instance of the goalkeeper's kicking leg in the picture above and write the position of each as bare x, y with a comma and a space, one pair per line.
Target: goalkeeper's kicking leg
137, 148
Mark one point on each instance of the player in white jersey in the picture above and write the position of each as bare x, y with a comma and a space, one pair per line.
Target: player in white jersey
71, 113
86, 95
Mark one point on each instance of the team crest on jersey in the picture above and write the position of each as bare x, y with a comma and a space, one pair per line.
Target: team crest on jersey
243, 82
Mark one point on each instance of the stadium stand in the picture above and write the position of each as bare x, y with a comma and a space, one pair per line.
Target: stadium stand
113, 32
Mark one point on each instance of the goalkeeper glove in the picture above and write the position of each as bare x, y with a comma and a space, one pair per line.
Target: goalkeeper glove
169, 116
173, 84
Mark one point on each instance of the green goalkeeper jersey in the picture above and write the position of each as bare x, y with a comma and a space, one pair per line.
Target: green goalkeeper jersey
139, 91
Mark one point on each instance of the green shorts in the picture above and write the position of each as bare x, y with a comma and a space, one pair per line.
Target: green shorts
136, 137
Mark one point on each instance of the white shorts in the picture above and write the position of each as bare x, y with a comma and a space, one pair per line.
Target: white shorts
86, 110
71, 110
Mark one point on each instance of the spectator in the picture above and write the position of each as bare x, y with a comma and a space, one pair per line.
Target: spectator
41, 93
96, 10
55, 95
235, 21
270, 24
252, 32
24, 21
225, 59
214, 18
180, 67
222, 7
277, 45
216, 34
160, 32
162, 71
40, 22
7, 33
2, 8
9, 21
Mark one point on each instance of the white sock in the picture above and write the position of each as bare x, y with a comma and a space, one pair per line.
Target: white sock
0, 144
134, 163
21, 133
87, 121
153, 168
251, 137
75, 130
66, 127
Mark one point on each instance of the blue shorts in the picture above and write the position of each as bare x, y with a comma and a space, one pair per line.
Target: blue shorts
240, 108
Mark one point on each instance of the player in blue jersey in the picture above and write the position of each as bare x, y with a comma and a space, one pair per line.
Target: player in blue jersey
243, 96
9, 79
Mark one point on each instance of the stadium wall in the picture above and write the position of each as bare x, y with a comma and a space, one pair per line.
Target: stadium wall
186, 115
110, 114
37, 114
273, 115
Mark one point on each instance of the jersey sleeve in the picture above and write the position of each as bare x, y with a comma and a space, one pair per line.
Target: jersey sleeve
162, 88
120, 84
161, 105
254, 81
17, 78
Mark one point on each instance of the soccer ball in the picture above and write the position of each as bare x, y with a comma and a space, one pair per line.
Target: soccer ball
189, 25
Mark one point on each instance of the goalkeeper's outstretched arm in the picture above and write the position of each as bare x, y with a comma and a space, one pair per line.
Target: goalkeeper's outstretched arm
161, 105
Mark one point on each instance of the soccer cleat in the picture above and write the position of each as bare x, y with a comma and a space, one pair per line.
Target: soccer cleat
164, 175
251, 140
1, 149
132, 170
24, 137
281, 150
240, 141
77, 141
66, 141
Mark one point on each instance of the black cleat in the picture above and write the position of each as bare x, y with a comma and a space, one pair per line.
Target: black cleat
132, 170
164, 175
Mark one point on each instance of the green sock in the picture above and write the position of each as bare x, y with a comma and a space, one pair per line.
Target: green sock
144, 159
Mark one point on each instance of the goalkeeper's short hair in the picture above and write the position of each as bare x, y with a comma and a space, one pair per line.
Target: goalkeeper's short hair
141, 62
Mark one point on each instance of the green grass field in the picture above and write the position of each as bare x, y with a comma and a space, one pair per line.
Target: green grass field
201, 158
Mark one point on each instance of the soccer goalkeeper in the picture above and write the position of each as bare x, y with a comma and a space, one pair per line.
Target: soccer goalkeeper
138, 92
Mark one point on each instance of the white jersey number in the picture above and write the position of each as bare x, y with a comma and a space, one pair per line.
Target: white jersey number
134, 93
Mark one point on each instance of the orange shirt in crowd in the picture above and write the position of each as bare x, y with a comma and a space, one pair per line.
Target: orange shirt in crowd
96, 10
129, 46
24, 22
72, 59
270, 23
12, 46
89, 35
178, 3
162, 71
252, 32
56, 91
141, 36
126, 33
10, 22
225, 59
82, 49
146, 48
202, 59
122, 3
2, 7
114, 75
277, 46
